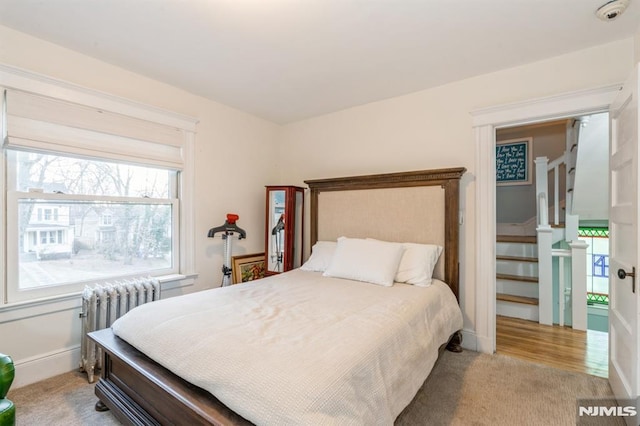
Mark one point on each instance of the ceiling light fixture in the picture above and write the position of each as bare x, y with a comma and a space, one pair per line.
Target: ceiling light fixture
611, 10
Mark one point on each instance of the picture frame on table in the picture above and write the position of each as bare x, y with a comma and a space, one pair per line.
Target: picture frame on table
247, 267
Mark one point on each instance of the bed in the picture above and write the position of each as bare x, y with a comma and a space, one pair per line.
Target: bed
421, 207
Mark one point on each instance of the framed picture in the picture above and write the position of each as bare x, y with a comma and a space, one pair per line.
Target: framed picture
247, 267
514, 162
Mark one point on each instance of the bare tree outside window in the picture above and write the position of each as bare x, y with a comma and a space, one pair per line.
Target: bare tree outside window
81, 219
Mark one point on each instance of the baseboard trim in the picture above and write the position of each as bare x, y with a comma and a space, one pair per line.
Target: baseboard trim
44, 366
473, 342
469, 340
486, 344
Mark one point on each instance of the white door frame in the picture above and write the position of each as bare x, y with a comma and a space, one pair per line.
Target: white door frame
485, 123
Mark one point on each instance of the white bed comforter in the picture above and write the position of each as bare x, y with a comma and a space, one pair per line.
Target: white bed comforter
299, 348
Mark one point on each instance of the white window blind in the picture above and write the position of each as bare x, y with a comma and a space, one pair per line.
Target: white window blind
55, 126
38, 123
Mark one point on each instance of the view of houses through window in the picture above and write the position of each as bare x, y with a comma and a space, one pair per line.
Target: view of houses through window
82, 219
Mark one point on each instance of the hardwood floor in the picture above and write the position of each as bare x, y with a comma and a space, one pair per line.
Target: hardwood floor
560, 347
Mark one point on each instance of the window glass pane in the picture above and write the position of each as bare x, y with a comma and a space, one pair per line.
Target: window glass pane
597, 264
53, 173
81, 245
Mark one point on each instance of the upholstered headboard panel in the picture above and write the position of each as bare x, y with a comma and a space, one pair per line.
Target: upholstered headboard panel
419, 207
389, 214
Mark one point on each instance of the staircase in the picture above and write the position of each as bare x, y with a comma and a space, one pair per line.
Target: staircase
525, 271
517, 276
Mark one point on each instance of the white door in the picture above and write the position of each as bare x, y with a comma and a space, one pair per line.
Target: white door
624, 372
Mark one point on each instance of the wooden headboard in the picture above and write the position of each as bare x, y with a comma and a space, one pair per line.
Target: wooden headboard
419, 206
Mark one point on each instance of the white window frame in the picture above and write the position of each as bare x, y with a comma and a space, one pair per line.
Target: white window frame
15, 294
184, 253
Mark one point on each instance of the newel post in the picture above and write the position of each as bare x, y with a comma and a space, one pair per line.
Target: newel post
545, 246
579, 284
545, 275
542, 185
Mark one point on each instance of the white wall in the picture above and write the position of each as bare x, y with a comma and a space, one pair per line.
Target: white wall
516, 204
433, 129
591, 185
235, 157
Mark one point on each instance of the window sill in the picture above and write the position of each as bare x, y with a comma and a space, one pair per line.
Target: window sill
601, 310
33, 308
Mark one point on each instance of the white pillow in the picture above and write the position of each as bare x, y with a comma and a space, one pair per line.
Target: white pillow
321, 255
371, 261
417, 264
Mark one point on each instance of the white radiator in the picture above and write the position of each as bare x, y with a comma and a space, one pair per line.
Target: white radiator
102, 305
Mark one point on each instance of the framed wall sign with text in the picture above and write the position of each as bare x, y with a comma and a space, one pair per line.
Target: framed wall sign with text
513, 162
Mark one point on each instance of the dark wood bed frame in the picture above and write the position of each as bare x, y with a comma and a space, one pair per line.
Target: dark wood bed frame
139, 391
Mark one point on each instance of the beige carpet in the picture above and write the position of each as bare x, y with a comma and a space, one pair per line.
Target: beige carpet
463, 389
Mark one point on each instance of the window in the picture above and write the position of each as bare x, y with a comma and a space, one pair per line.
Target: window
139, 203
597, 264
107, 219
91, 194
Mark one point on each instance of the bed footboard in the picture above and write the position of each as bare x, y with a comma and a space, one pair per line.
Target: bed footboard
139, 391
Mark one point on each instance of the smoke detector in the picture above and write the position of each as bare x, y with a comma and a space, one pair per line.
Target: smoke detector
611, 10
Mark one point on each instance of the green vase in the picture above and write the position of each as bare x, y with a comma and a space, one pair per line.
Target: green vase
7, 413
7, 372
7, 409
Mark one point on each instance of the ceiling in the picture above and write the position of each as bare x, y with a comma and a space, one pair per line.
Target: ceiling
286, 60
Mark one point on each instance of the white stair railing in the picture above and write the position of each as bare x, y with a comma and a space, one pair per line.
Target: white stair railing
577, 257
555, 166
546, 253
564, 290
543, 167
579, 284
571, 221
542, 184
545, 264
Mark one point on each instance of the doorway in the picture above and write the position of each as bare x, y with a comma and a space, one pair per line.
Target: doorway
576, 149
485, 123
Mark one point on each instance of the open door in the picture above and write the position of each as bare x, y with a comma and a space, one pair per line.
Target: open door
624, 291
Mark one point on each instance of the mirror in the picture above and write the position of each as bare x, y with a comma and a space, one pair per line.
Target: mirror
275, 250
284, 228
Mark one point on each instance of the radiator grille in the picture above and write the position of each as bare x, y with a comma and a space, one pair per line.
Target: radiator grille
102, 304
